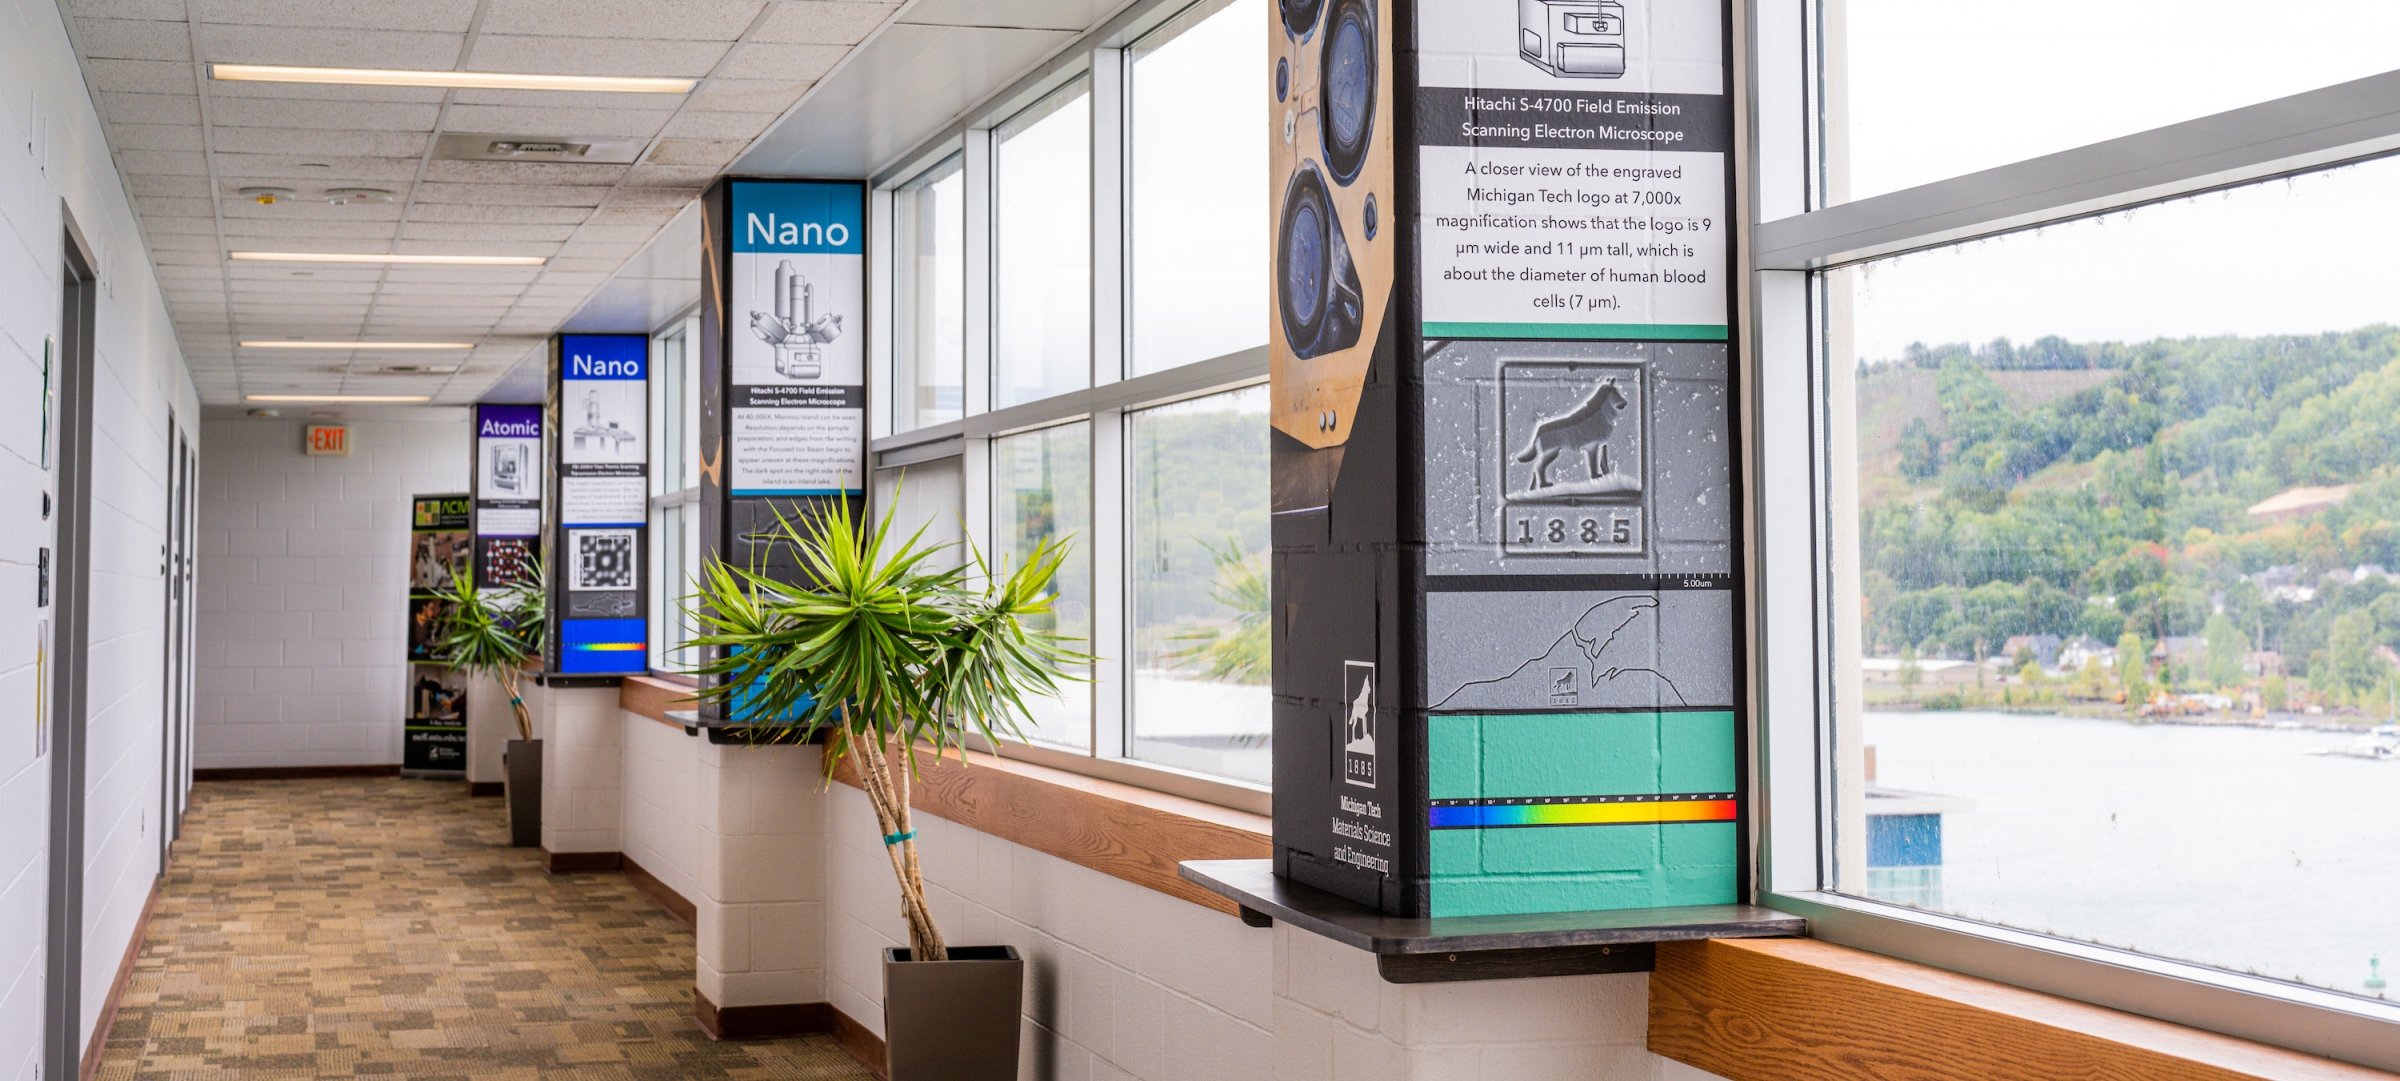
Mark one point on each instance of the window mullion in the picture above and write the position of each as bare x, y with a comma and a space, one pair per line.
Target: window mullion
1109, 538
1108, 216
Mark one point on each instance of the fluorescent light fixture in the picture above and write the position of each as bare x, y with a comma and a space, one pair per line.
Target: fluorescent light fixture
368, 257
272, 344
450, 80
354, 398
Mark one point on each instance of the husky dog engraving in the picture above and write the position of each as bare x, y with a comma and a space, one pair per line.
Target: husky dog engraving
1584, 429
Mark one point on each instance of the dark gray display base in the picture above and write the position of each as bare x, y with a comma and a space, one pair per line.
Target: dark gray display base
1454, 948
745, 733
553, 679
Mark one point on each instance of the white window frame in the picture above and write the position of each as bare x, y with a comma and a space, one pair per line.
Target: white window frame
674, 442
1102, 58
1791, 237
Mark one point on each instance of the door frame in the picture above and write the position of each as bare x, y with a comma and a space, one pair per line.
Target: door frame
73, 373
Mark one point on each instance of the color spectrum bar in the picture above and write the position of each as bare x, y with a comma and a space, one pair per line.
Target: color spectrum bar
1630, 813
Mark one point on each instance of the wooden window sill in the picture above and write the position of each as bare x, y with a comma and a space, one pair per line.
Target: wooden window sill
652, 697
1116, 829
1799, 1010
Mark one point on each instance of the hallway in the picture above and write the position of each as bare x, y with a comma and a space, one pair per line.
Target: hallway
378, 927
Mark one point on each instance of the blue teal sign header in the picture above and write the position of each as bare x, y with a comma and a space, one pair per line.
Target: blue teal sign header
604, 356
824, 217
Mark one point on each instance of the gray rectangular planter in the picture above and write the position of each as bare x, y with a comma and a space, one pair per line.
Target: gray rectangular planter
522, 760
954, 1020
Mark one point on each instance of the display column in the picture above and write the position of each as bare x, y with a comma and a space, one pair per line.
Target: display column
434, 735
1507, 664
599, 416
507, 527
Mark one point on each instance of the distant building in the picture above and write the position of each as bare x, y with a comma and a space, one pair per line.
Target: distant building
2370, 571
2287, 583
2263, 663
2297, 503
2044, 648
1933, 673
2185, 651
2075, 652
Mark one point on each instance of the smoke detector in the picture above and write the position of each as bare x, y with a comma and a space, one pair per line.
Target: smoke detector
268, 196
357, 196
563, 149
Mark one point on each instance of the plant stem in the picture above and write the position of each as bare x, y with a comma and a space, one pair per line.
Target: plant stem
516, 702
891, 810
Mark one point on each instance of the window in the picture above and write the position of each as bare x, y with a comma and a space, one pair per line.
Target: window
1042, 249
2079, 633
1198, 186
929, 280
1915, 92
1042, 493
1126, 412
1201, 698
674, 489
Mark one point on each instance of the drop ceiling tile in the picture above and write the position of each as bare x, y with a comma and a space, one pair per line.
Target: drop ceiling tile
712, 153
670, 196
494, 275
410, 95
170, 162
317, 144
338, 171
505, 247
567, 99
544, 120
1030, 14
194, 227
192, 241
602, 264
342, 48
594, 56
175, 186
746, 95
558, 277
134, 39
557, 195
141, 76
163, 10
465, 231
791, 63
253, 228
693, 176
436, 289
451, 15
655, 218
517, 215
821, 22
538, 172
698, 20
299, 113
629, 237
149, 108
310, 206
189, 208
695, 124
154, 137
251, 274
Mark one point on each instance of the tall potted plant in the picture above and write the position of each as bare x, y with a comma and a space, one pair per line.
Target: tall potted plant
893, 652
490, 631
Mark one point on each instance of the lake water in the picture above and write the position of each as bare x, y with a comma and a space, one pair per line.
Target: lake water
2231, 847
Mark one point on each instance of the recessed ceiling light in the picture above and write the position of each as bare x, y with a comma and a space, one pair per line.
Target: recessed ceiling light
299, 344
392, 398
452, 80
363, 257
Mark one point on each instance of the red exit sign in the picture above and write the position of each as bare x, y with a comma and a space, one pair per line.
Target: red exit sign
328, 439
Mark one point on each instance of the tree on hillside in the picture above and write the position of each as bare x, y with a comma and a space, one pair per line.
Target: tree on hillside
1911, 673
2228, 650
2133, 660
2350, 664
1920, 450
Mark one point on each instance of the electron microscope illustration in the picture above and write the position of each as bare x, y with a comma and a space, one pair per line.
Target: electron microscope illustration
794, 329
1573, 39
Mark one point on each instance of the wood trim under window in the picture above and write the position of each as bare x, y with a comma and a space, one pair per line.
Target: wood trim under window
1116, 829
1798, 1010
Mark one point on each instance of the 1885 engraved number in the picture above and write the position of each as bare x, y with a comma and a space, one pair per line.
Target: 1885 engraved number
1572, 529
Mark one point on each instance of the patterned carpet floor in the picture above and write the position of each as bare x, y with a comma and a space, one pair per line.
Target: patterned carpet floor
382, 928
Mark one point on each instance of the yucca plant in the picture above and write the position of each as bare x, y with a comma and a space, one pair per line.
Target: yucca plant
490, 631
893, 651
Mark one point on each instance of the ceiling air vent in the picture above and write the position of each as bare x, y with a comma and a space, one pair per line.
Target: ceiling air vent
569, 149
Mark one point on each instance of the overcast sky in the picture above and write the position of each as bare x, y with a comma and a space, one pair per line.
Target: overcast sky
1939, 89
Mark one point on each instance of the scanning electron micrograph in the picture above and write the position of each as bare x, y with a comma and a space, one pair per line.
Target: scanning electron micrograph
1584, 650
1577, 458
602, 559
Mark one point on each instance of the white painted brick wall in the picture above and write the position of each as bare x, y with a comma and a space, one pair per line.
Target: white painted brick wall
302, 604
583, 766
52, 153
